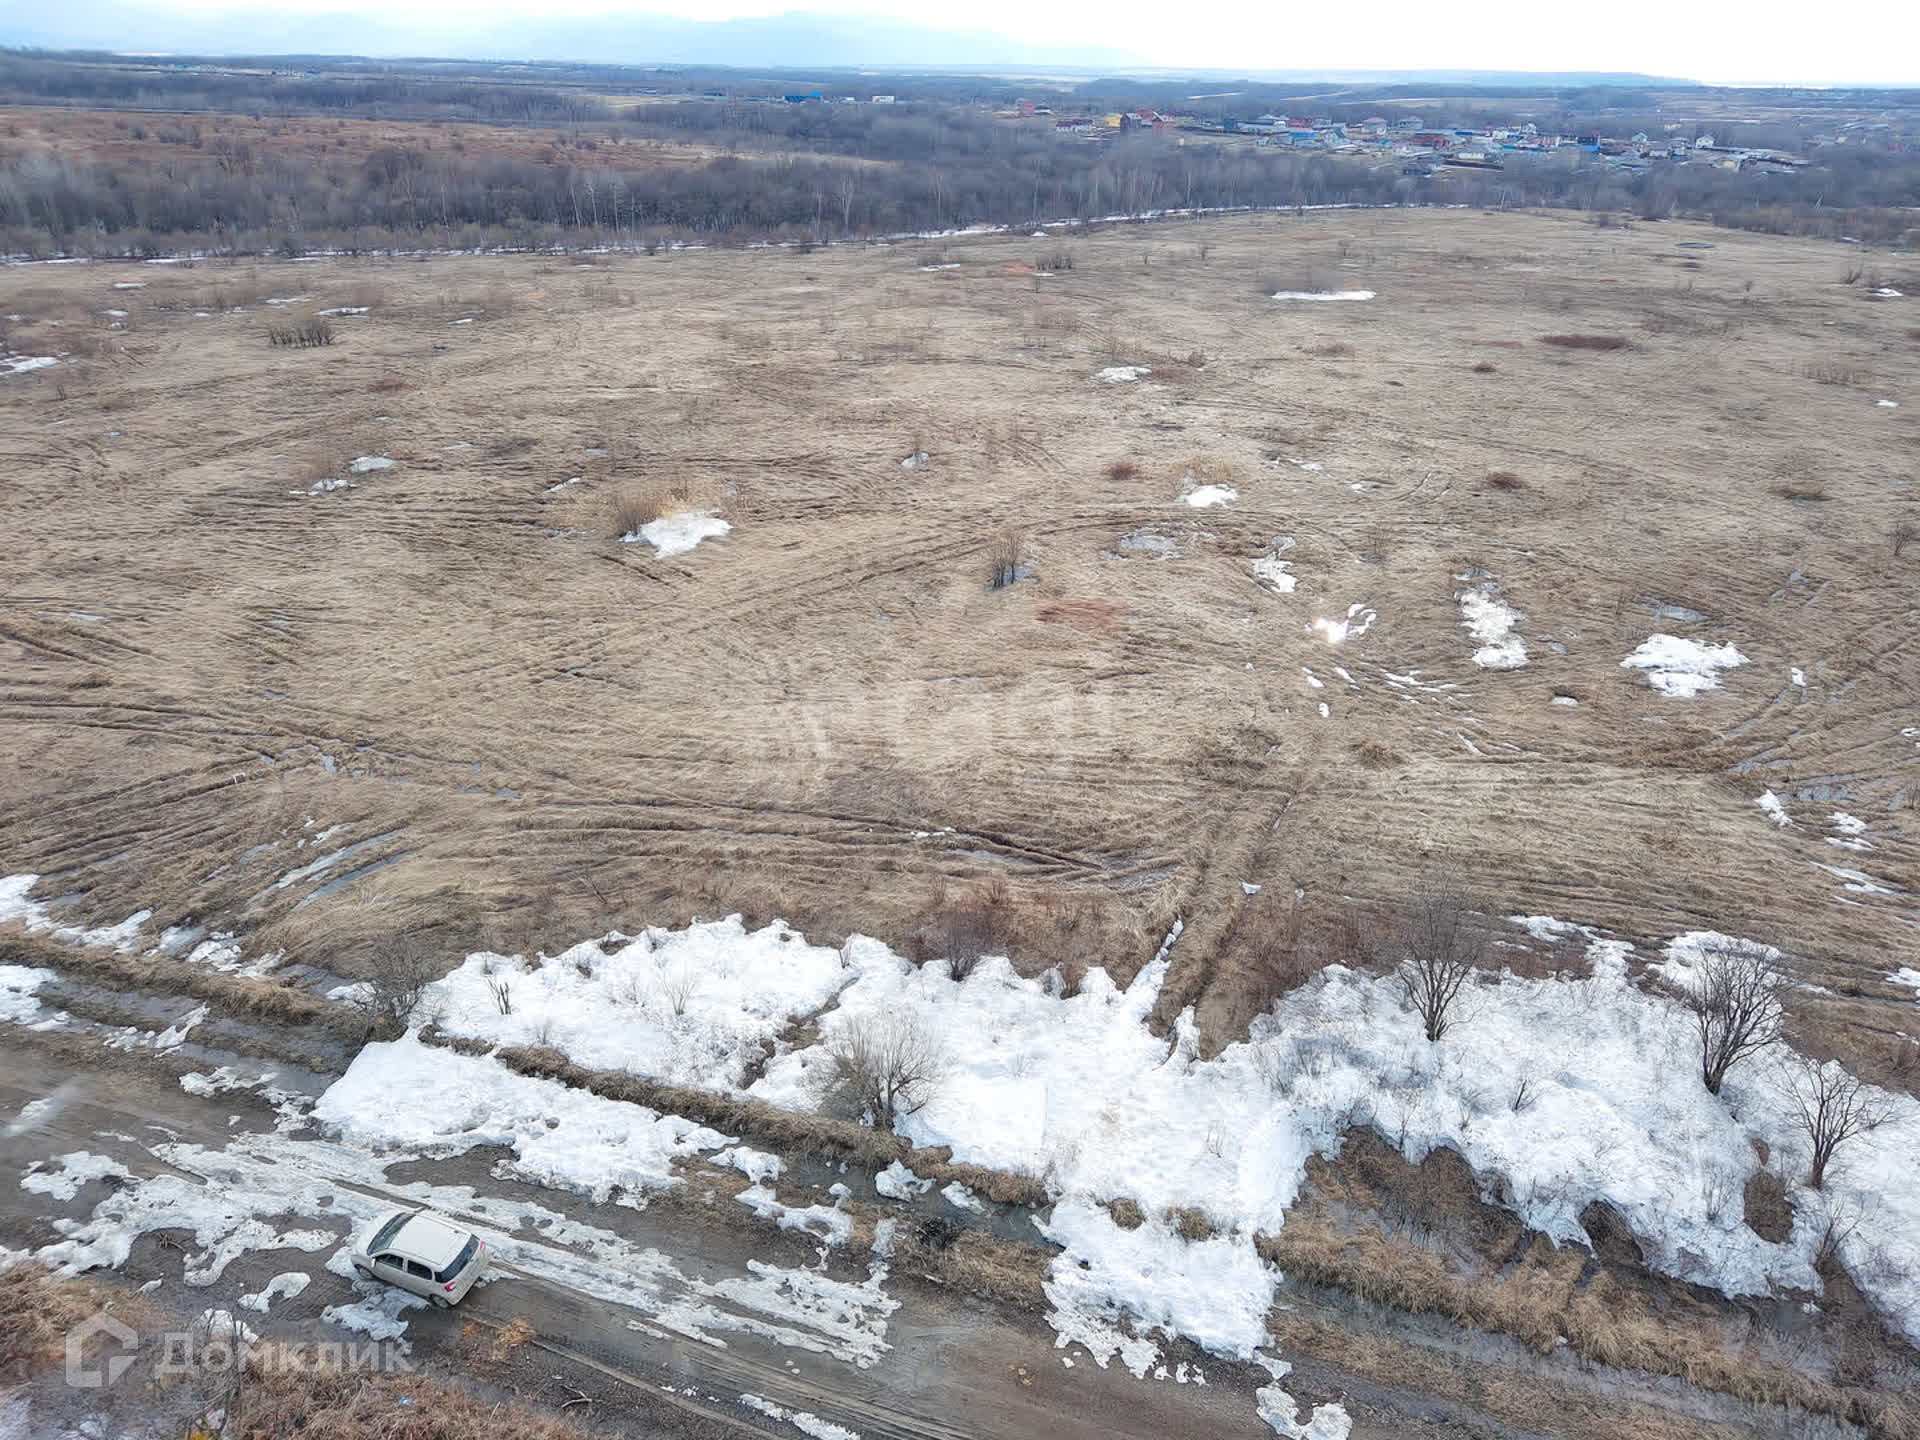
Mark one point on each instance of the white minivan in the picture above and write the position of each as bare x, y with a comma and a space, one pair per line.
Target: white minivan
423, 1253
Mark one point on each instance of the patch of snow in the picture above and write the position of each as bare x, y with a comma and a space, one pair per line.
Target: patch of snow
1490, 623
1276, 574
1905, 975
346, 310
805, 1421
756, 1165
20, 364
961, 1197
570, 1139
556, 489
1566, 701
75, 1170
897, 1182
1323, 294
1681, 668
1776, 811
914, 461
17, 986
677, 534
1282, 1412
1207, 495
287, 1284
366, 463
829, 1222
1888, 404
1798, 676
1122, 374
1358, 620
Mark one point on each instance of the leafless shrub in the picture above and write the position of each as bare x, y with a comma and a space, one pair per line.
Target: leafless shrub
1904, 533
1055, 261
1587, 342
502, 992
960, 929
1434, 953
1122, 470
885, 1067
1525, 1092
1504, 480
677, 987
1734, 997
1196, 359
315, 330
402, 970
1003, 559
1375, 755
1830, 372
1829, 1106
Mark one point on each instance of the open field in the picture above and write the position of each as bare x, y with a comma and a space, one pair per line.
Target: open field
535, 731
1173, 599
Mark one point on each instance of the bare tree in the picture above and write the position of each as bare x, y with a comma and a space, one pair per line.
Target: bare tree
1434, 952
885, 1067
402, 970
1734, 996
1829, 1106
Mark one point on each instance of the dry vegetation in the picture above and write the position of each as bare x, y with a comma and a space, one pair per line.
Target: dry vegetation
829, 714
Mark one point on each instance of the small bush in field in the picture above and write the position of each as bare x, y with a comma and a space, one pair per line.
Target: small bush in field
1122, 470
1504, 480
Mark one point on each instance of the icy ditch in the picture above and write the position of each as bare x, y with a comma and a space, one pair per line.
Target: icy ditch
677, 534
1490, 622
1680, 668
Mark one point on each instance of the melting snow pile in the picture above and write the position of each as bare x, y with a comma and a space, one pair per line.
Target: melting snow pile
559, 1136
677, 534
693, 1006
1682, 668
367, 463
1776, 810
19, 364
1122, 374
1323, 294
1574, 1090
1490, 623
1207, 495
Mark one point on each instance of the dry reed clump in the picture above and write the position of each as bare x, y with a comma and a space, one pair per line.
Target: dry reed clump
1484, 367
1374, 755
1504, 480
1587, 342
1330, 350
37, 1311
341, 1404
637, 504
302, 334
1127, 1213
974, 1261
1004, 559
1122, 470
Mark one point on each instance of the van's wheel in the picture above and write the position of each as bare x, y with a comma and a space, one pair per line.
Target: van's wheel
362, 1271
440, 1302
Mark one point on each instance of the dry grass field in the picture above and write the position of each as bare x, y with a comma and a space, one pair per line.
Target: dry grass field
536, 732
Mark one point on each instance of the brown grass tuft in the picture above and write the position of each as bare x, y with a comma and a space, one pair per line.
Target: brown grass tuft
634, 505
1484, 367
1504, 480
1127, 1213
1122, 470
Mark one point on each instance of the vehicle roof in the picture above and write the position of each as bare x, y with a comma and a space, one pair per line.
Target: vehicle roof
431, 1240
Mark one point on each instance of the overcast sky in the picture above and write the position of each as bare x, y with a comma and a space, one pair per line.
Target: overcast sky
1863, 42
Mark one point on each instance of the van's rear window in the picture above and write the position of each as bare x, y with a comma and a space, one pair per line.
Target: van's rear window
383, 1237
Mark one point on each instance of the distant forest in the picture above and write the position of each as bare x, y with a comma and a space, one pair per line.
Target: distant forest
807, 172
